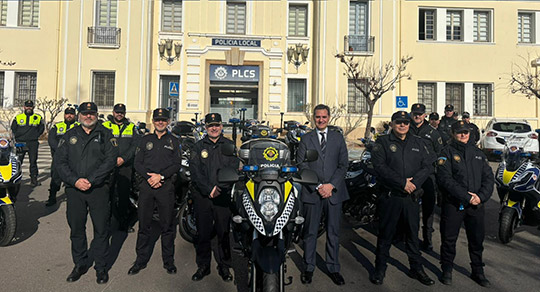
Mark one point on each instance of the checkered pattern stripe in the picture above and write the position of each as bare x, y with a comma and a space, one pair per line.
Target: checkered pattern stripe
284, 218
255, 220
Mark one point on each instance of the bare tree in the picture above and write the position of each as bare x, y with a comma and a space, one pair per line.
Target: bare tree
338, 112
6, 117
6, 63
524, 79
373, 81
50, 109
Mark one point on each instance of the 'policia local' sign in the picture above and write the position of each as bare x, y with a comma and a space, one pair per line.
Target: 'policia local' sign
234, 73
236, 43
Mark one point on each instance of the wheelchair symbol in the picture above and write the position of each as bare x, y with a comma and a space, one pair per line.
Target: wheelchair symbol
400, 103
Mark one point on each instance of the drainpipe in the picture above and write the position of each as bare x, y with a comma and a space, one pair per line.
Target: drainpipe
315, 70
149, 35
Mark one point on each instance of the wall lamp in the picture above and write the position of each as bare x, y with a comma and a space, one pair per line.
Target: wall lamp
297, 54
166, 50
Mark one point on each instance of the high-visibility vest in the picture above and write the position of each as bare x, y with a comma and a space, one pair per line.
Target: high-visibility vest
127, 132
62, 127
33, 120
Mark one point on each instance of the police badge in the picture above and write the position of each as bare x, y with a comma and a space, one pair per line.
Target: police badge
204, 153
149, 146
457, 158
393, 147
114, 142
73, 140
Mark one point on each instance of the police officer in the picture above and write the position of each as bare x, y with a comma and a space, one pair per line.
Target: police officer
475, 132
55, 134
466, 181
128, 140
403, 164
434, 142
27, 127
84, 160
434, 122
157, 160
447, 121
211, 200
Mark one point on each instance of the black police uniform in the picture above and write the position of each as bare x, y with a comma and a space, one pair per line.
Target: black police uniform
211, 213
91, 156
446, 127
161, 156
463, 168
395, 160
27, 128
434, 143
475, 133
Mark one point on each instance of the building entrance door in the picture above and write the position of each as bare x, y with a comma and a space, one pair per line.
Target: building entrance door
228, 99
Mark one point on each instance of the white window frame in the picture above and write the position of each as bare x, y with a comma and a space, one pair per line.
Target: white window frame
109, 13
489, 100
106, 103
34, 16
296, 21
532, 27
434, 36
304, 97
476, 26
235, 30
32, 90
453, 25
458, 107
356, 104
3, 12
422, 98
175, 5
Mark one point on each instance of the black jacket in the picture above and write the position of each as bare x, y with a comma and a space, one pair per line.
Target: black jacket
475, 133
395, 160
206, 160
54, 137
160, 156
463, 168
91, 156
25, 132
432, 137
446, 126
127, 142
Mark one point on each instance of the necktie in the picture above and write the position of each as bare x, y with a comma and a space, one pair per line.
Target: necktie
323, 143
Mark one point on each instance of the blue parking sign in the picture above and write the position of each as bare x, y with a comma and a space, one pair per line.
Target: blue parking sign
173, 89
401, 102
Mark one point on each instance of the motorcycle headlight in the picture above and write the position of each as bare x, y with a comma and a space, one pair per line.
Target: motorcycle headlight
269, 199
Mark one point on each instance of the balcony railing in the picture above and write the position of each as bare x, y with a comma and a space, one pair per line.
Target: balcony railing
359, 44
104, 37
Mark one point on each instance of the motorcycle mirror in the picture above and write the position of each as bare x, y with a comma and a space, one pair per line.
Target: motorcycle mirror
227, 175
194, 120
500, 140
227, 149
307, 176
311, 155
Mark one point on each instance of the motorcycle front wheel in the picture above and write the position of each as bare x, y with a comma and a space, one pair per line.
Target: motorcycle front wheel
8, 224
507, 225
270, 282
186, 226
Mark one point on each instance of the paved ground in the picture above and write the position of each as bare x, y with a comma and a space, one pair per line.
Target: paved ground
39, 259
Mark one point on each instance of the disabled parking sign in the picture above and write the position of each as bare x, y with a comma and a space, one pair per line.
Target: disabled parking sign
401, 102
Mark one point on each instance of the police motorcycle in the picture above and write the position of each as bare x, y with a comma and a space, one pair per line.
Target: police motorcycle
518, 188
267, 216
253, 129
295, 131
10, 184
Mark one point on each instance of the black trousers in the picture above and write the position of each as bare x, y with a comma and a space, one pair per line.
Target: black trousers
397, 211
79, 204
163, 198
32, 149
55, 184
428, 207
120, 191
212, 217
451, 220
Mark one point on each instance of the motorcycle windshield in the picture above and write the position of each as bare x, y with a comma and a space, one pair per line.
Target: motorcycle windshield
266, 153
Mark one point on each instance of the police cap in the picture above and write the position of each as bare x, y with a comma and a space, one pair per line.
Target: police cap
434, 116
460, 126
119, 108
29, 103
69, 110
401, 115
212, 118
466, 115
88, 107
449, 108
418, 108
160, 114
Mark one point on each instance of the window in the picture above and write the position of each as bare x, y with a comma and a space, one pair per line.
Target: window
358, 38
103, 88
171, 18
296, 95
28, 13
454, 96
25, 87
482, 99
426, 24
3, 12
2, 89
453, 25
356, 103
298, 20
427, 96
236, 18
525, 27
106, 12
481, 31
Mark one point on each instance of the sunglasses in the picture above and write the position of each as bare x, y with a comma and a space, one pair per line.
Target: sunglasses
404, 122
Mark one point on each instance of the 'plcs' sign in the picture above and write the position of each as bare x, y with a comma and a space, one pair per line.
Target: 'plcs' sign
234, 73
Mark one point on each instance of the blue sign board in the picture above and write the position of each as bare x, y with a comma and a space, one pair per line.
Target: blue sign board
234, 73
236, 42
401, 102
173, 89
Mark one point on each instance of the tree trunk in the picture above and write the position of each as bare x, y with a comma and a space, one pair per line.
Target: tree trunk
367, 133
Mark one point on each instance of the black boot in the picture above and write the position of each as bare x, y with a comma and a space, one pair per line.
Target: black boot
34, 182
52, 199
427, 243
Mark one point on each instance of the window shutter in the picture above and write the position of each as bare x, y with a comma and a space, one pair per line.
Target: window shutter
481, 26
524, 27
177, 16
107, 13
28, 12
358, 18
3, 12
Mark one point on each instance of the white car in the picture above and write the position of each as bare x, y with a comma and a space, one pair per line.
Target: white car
504, 128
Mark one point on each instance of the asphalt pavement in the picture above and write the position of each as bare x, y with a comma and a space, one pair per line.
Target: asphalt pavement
39, 258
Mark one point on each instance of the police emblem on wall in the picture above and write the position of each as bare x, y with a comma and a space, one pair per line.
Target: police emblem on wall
204, 153
393, 147
457, 158
73, 140
149, 146
270, 154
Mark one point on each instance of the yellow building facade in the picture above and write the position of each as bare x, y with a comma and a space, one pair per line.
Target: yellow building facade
267, 57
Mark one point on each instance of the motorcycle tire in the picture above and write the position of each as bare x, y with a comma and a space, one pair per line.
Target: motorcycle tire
507, 225
186, 224
8, 224
270, 282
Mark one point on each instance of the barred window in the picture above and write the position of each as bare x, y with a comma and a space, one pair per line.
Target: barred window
2, 74
106, 13
356, 101
526, 27
298, 20
296, 95
482, 99
3, 12
28, 13
103, 88
426, 24
427, 96
481, 27
171, 16
453, 25
454, 96
358, 18
25, 87
236, 17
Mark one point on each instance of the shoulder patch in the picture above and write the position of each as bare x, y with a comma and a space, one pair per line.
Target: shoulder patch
73, 140
441, 160
114, 142
457, 158
439, 140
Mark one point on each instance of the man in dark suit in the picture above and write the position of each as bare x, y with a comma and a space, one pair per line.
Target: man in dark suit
327, 196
